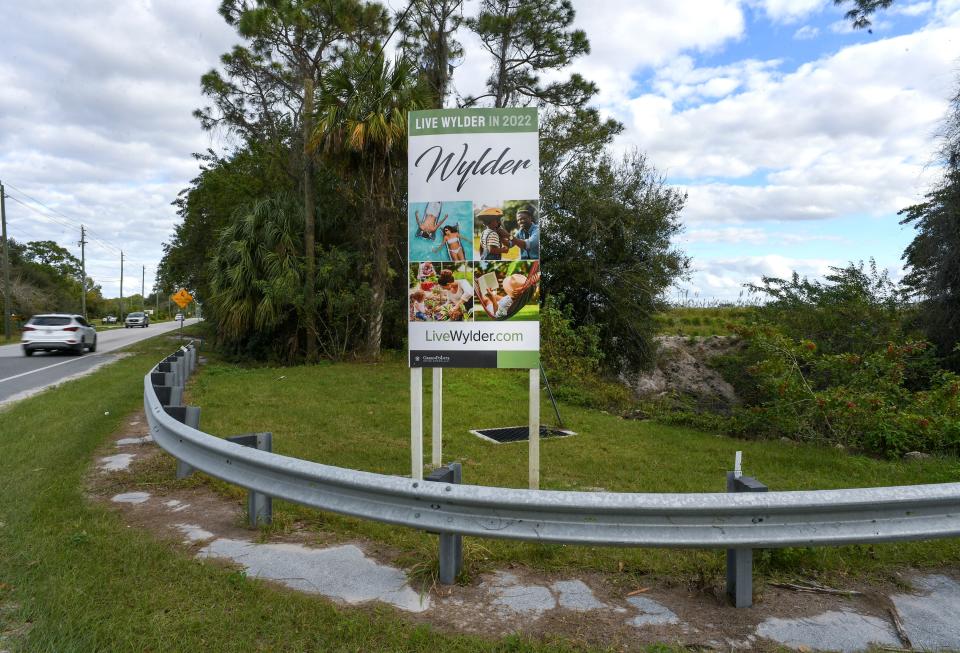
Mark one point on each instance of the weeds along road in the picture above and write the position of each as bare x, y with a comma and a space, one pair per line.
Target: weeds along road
21, 376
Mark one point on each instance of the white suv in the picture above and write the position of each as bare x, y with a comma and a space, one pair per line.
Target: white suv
58, 332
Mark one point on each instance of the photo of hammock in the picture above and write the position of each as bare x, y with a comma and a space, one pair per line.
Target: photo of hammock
506, 290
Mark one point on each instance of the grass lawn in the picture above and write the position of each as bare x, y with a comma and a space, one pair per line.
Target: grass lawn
356, 415
705, 321
74, 577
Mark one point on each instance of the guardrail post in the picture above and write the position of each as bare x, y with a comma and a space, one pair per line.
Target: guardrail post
451, 544
189, 415
259, 505
181, 357
175, 367
169, 395
740, 561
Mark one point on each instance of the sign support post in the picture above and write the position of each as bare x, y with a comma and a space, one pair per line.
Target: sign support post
416, 423
437, 417
534, 455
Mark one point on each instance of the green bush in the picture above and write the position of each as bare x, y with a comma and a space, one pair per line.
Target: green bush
573, 360
857, 309
887, 401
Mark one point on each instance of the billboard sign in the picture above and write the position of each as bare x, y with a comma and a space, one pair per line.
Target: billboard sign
473, 236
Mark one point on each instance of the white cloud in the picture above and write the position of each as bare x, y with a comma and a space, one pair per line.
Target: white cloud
848, 134
627, 37
915, 9
806, 33
735, 235
788, 11
724, 278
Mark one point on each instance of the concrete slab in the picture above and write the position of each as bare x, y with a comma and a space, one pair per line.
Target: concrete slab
932, 620
131, 497
842, 630
511, 597
650, 613
128, 441
194, 533
116, 462
343, 572
576, 595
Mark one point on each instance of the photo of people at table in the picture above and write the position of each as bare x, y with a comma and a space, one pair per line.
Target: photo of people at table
506, 231
440, 291
440, 231
506, 290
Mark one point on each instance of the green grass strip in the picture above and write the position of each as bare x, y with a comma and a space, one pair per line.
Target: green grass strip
81, 580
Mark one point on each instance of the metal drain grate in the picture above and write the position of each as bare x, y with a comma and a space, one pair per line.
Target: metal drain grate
509, 434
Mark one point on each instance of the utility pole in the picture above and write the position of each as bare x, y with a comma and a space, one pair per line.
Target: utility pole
143, 297
7, 333
121, 285
83, 271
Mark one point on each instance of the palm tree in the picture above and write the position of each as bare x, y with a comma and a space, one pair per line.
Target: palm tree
256, 275
362, 125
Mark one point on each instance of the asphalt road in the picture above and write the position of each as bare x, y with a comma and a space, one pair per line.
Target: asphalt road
21, 376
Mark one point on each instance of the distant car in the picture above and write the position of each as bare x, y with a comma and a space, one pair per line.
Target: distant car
110, 319
178, 317
58, 332
137, 319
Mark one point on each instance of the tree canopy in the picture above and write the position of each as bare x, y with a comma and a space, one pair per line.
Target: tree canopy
317, 121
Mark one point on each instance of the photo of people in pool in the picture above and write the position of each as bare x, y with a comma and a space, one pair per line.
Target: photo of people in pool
440, 292
506, 290
506, 231
440, 231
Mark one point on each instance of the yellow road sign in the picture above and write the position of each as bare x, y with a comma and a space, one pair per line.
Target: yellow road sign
181, 298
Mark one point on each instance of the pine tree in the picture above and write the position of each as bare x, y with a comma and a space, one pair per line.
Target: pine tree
933, 257
427, 29
525, 39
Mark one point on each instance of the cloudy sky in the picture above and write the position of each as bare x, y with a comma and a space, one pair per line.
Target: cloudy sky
796, 138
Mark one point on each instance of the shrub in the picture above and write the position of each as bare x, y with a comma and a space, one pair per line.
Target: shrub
887, 401
857, 310
573, 359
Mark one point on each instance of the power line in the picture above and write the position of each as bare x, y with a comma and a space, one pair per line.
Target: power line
41, 214
72, 224
63, 224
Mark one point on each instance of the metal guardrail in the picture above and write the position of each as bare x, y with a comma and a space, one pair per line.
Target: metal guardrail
698, 520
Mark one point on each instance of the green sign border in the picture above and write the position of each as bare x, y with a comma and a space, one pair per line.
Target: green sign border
518, 359
474, 121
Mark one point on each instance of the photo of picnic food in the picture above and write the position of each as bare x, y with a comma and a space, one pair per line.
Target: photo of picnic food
506, 230
440, 291
506, 290
440, 231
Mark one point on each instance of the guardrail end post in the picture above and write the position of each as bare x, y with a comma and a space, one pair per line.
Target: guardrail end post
740, 560
451, 544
